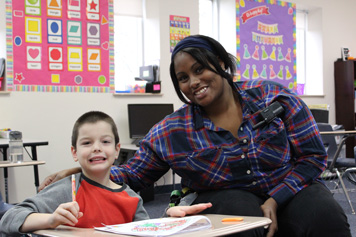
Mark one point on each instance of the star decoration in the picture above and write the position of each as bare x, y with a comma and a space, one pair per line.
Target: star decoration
93, 5
19, 77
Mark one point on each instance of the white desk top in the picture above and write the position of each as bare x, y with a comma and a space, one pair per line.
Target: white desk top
129, 147
219, 228
5, 141
341, 132
7, 164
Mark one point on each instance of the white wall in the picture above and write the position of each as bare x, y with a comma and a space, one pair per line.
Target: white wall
50, 116
338, 29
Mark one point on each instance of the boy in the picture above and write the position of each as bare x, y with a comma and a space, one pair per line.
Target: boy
95, 145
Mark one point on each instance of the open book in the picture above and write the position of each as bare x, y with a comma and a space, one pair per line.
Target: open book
160, 226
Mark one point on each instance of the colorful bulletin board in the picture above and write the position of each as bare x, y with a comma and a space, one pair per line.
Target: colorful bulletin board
179, 28
266, 41
60, 45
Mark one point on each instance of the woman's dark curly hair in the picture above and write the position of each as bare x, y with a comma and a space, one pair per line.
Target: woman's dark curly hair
209, 60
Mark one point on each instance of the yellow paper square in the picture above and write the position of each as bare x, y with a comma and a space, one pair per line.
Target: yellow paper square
33, 26
55, 78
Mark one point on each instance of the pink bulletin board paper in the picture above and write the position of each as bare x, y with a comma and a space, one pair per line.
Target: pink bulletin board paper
60, 45
266, 41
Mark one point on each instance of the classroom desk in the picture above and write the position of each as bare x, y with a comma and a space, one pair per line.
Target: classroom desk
341, 132
218, 229
126, 152
129, 150
4, 145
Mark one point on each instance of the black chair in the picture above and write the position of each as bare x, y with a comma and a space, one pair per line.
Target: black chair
350, 174
336, 164
320, 115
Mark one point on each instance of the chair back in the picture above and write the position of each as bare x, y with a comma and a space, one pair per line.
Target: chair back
320, 115
328, 140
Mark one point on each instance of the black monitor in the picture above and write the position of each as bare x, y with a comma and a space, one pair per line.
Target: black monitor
142, 117
149, 73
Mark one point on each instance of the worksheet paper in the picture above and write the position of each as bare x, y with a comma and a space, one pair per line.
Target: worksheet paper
160, 226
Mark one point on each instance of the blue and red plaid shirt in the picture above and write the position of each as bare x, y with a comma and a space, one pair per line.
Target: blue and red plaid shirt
276, 160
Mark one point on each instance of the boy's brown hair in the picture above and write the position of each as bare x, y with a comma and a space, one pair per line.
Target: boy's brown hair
93, 117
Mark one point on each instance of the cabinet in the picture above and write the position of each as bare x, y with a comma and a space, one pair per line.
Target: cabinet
345, 99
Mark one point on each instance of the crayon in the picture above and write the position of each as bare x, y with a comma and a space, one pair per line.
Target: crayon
232, 219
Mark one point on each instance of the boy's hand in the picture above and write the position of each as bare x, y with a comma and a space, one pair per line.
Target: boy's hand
180, 211
66, 214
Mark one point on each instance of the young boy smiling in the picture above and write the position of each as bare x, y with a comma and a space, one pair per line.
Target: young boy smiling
95, 145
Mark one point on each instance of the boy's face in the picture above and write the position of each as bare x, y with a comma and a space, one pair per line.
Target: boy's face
96, 149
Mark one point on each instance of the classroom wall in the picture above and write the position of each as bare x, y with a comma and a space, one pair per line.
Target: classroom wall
50, 116
333, 21
338, 30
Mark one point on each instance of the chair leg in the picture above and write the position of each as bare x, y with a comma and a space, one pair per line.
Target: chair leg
350, 174
345, 191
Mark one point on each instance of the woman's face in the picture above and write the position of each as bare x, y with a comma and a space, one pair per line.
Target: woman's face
200, 85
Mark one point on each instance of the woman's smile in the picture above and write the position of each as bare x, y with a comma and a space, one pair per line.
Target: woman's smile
201, 92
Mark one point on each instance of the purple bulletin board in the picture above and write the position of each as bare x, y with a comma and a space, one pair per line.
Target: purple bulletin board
266, 41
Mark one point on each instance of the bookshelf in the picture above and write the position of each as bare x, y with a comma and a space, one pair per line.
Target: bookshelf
344, 72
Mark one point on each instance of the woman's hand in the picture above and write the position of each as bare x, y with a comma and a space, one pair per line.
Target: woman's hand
269, 209
57, 176
180, 211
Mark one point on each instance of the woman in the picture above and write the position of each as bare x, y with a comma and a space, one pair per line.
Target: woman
223, 148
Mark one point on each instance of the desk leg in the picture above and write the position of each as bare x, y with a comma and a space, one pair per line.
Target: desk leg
6, 189
174, 180
35, 167
5, 177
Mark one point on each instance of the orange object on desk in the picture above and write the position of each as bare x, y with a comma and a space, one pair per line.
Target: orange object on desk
232, 219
